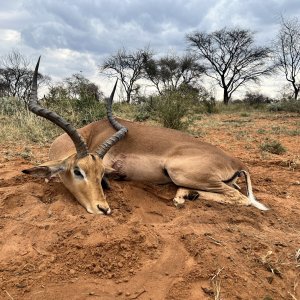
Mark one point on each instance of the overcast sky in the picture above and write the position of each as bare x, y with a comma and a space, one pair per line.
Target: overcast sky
76, 35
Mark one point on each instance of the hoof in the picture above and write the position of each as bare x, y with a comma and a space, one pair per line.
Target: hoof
192, 196
179, 202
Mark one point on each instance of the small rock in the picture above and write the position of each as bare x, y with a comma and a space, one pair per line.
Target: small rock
21, 285
72, 272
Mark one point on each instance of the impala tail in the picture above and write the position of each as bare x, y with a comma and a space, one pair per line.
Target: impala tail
250, 194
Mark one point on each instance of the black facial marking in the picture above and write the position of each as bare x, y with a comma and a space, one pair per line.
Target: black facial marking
93, 157
105, 183
166, 172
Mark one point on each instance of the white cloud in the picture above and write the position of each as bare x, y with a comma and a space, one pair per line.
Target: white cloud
76, 35
11, 36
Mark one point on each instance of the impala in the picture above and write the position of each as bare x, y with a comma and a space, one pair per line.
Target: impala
137, 152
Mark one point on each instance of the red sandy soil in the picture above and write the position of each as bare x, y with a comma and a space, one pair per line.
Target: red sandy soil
51, 248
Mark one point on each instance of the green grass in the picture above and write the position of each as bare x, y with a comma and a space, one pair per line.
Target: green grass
174, 110
272, 146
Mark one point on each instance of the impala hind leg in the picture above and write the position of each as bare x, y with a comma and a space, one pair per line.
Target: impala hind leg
208, 185
183, 194
228, 196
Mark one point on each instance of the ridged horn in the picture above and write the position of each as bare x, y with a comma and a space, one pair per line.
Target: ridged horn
122, 130
80, 145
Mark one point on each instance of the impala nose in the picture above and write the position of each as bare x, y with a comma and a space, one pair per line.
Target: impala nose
106, 211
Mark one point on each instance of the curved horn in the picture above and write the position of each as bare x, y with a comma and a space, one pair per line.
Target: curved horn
33, 106
122, 130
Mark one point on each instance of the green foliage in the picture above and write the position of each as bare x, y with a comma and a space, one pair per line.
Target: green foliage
10, 105
272, 146
172, 109
239, 107
261, 131
210, 105
255, 99
78, 113
77, 99
21, 124
172, 71
289, 105
146, 110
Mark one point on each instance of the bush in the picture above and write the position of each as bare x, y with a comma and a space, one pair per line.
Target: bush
22, 124
256, 99
287, 106
171, 108
77, 112
146, 109
10, 105
272, 146
210, 105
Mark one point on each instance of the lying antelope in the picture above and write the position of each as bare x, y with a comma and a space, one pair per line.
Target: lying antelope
137, 152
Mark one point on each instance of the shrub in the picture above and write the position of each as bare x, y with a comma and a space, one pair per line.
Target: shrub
10, 105
272, 146
171, 108
209, 105
256, 99
146, 109
287, 104
77, 112
20, 123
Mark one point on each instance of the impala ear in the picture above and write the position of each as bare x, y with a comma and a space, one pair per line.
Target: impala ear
109, 170
46, 171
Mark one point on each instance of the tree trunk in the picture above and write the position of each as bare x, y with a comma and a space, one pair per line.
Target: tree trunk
226, 97
128, 97
296, 91
296, 94
295, 87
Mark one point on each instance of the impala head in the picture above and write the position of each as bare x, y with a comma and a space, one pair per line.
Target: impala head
82, 173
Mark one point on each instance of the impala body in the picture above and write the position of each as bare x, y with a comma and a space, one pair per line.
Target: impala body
139, 153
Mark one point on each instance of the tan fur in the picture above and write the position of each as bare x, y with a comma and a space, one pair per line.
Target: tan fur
149, 154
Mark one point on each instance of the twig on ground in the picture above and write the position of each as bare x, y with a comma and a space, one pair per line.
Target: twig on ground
139, 294
8, 294
213, 239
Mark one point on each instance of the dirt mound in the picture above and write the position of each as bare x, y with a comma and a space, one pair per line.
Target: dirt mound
52, 249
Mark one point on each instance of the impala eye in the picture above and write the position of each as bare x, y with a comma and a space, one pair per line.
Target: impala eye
77, 173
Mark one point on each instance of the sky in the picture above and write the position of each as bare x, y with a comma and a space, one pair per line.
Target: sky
75, 36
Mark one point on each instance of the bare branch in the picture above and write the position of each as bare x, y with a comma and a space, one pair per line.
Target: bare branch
287, 52
231, 58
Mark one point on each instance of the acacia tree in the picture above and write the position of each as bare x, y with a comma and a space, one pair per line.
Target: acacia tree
16, 76
127, 67
83, 89
172, 71
287, 52
231, 58
76, 87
